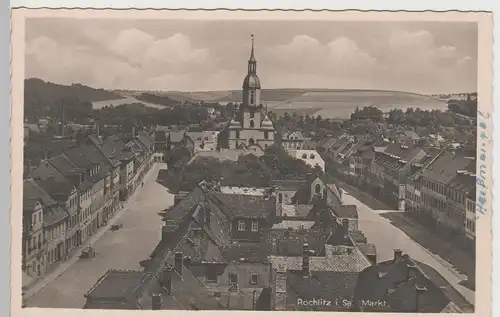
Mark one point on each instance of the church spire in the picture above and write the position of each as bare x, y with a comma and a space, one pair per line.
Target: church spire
252, 55
252, 62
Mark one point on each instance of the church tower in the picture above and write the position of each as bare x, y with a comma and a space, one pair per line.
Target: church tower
250, 126
250, 114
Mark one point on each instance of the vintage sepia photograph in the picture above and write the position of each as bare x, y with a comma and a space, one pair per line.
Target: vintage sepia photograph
324, 161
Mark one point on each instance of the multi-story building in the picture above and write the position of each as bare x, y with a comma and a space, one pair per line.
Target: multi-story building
61, 170
390, 169
414, 204
446, 183
66, 194
292, 140
204, 141
99, 174
34, 247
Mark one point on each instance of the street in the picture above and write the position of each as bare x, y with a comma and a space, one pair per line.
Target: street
386, 237
121, 249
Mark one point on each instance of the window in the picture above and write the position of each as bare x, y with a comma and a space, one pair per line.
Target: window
312, 156
266, 135
233, 279
255, 226
237, 134
254, 279
317, 188
252, 124
252, 114
241, 225
304, 156
252, 97
211, 274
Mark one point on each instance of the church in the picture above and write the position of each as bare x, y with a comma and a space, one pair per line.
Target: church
250, 125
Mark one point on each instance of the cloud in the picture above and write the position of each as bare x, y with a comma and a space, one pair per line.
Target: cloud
132, 58
417, 51
305, 54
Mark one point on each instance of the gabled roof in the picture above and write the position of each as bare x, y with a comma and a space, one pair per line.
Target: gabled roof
293, 135
176, 136
289, 185
145, 139
31, 190
245, 205
59, 190
286, 242
337, 259
118, 285
104, 150
53, 212
245, 252
391, 281
347, 211
444, 169
160, 136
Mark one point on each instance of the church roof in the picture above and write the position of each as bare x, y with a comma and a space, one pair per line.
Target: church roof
251, 81
266, 123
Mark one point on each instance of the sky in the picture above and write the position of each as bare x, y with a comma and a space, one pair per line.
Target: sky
206, 55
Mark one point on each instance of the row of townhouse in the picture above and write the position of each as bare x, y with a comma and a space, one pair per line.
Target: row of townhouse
441, 191
436, 186
78, 191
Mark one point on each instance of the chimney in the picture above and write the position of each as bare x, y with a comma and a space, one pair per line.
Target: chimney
178, 263
412, 270
166, 279
419, 291
305, 260
187, 261
156, 301
398, 255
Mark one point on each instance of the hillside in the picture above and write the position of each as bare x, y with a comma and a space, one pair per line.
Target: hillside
45, 98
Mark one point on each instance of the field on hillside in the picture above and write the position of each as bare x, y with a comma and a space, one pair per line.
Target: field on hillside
124, 101
340, 104
328, 103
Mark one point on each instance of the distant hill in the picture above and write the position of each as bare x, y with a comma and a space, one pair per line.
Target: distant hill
44, 98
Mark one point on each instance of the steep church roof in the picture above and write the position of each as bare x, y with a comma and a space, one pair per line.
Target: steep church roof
267, 124
252, 80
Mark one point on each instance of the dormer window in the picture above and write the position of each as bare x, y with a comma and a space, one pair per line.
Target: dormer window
304, 156
312, 156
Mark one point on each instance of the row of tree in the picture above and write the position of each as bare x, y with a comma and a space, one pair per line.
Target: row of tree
249, 170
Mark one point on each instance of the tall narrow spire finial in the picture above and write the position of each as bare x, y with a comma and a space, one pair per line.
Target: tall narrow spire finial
252, 56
